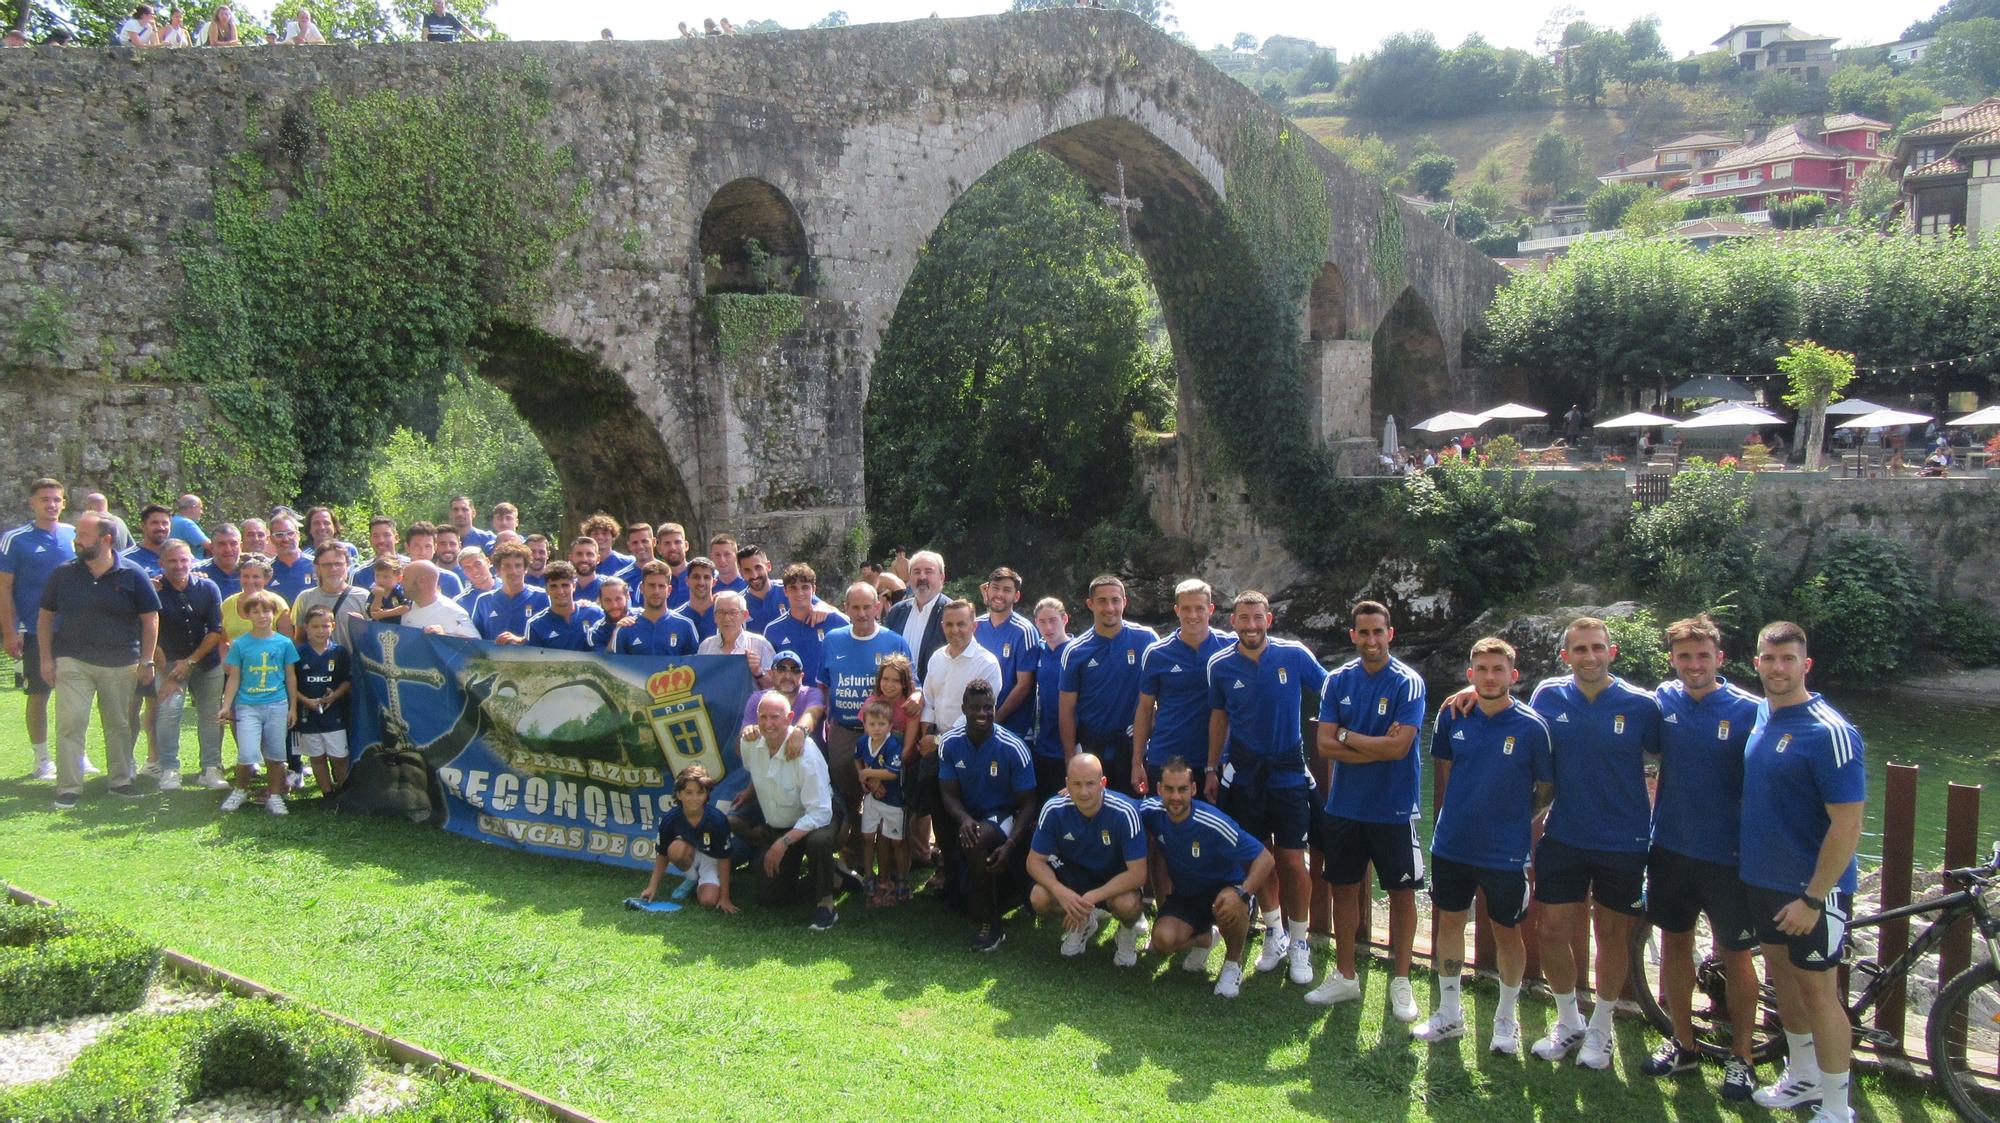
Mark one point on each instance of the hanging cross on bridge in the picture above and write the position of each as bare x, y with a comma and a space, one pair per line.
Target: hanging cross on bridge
393, 677
1125, 205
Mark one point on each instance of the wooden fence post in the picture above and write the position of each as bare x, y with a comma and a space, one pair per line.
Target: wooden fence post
1961, 848
1899, 827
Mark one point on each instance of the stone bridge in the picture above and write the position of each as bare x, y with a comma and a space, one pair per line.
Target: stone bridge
839, 151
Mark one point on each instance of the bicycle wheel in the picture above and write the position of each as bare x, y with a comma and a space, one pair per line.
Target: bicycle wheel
1963, 1038
1713, 1032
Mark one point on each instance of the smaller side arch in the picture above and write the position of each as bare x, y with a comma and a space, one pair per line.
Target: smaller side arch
1326, 305
1412, 368
752, 241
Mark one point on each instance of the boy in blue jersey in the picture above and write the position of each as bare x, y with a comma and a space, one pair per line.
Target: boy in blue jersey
806, 621
694, 836
1172, 715
567, 624
28, 554
1494, 764
1593, 854
986, 785
1088, 861
325, 678
1693, 869
885, 863
1804, 788
1100, 682
502, 615
656, 629
1052, 624
1213, 862
1256, 695
1369, 715
603, 531
1012, 640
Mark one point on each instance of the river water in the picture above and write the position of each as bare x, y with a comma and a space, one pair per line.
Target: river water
1951, 743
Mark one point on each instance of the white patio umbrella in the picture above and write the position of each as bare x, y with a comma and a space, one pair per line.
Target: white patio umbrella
1885, 418
1852, 407
1390, 445
1511, 411
1734, 417
1639, 420
1449, 421
1988, 416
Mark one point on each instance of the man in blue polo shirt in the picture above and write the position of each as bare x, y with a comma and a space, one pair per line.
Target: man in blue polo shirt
807, 620
764, 598
1172, 715
1012, 640
469, 534
986, 785
603, 531
1494, 765
1804, 788
700, 603
1256, 693
1593, 854
567, 624
1704, 725
1088, 861
670, 546
507, 608
1100, 682
97, 625
848, 659
656, 629
188, 665
1370, 712
28, 554
421, 540
291, 568
156, 527
1212, 862
225, 552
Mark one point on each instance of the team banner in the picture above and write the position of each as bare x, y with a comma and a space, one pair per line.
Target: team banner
554, 752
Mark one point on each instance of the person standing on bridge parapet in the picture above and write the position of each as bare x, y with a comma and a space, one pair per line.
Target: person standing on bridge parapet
441, 26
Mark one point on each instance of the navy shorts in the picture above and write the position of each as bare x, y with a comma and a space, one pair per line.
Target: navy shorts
1076, 879
1818, 950
1196, 909
1680, 888
33, 681
1351, 844
1283, 815
1566, 875
1453, 884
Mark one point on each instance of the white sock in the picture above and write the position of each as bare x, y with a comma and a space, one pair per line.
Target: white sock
1510, 1002
1274, 920
41, 752
1296, 931
1601, 1014
1449, 1002
1567, 1015
1833, 1094
1802, 1061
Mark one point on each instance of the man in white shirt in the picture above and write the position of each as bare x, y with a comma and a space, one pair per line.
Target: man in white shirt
431, 610
952, 666
789, 809
915, 617
732, 638
303, 29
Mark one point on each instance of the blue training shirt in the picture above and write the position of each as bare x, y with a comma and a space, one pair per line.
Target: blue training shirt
990, 776
890, 757
671, 634
583, 630
1489, 797
709, 835
31, 554
1103, 673
1100, 844
288, 580
321, 672
229, 584
1697, 807
1800, 758
495, 611
142, 555
847, 670
1176, 676
1018, 647
1601, 747
1204, 851
1382, 791
1264, 699
765, 610
1048, 700
804, 639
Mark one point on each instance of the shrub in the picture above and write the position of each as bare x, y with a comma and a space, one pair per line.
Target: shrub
55, 963
1503, 451
1963, 632
1483, 537
1642, 657
1693, 553
1865, 609
463, 1101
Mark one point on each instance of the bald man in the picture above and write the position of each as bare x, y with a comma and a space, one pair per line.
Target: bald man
1088, 861
848, 658
430, 609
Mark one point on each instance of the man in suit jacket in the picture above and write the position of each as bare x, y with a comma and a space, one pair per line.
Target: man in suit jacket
919, 617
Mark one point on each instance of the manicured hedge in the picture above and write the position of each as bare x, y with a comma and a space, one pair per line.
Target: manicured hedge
144, 1070
465, 1100
56, 963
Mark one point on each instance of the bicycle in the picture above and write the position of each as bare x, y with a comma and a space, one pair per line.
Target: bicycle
1962, 1030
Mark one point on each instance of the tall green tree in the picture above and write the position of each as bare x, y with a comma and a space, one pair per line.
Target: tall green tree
1816, 375
1965, 60
1555, 164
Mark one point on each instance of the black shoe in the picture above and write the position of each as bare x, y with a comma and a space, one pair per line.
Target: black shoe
988, 938
824, 917
66, 801
125, 791
1671, 1060
1739, 1080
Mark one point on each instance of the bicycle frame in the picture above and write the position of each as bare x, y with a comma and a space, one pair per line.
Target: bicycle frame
1952, 907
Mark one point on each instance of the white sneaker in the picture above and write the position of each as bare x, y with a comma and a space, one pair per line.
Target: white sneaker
211, 778
1822, 1115
1127, 954
1074, 942
1438, 1027
1301, 969
152, 769
1560, 1040
1790, 1091
1402, 1001
1596, 1051
1336, 988
235, 799
170, 781
1196, 960
1230, 981
1506, 1037
1275, 947
89, 769
45, 770
295, 781
275, 804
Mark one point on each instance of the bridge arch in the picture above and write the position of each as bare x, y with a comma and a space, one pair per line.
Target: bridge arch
751, 240
1412, 367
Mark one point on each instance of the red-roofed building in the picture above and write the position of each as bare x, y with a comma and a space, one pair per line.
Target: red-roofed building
1672, 163
1812, 156
1951, 170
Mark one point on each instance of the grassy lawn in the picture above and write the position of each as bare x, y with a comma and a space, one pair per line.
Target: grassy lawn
528, 967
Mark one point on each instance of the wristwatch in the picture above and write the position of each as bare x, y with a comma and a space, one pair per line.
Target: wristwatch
1818, 904
1341, 736
1242, 892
